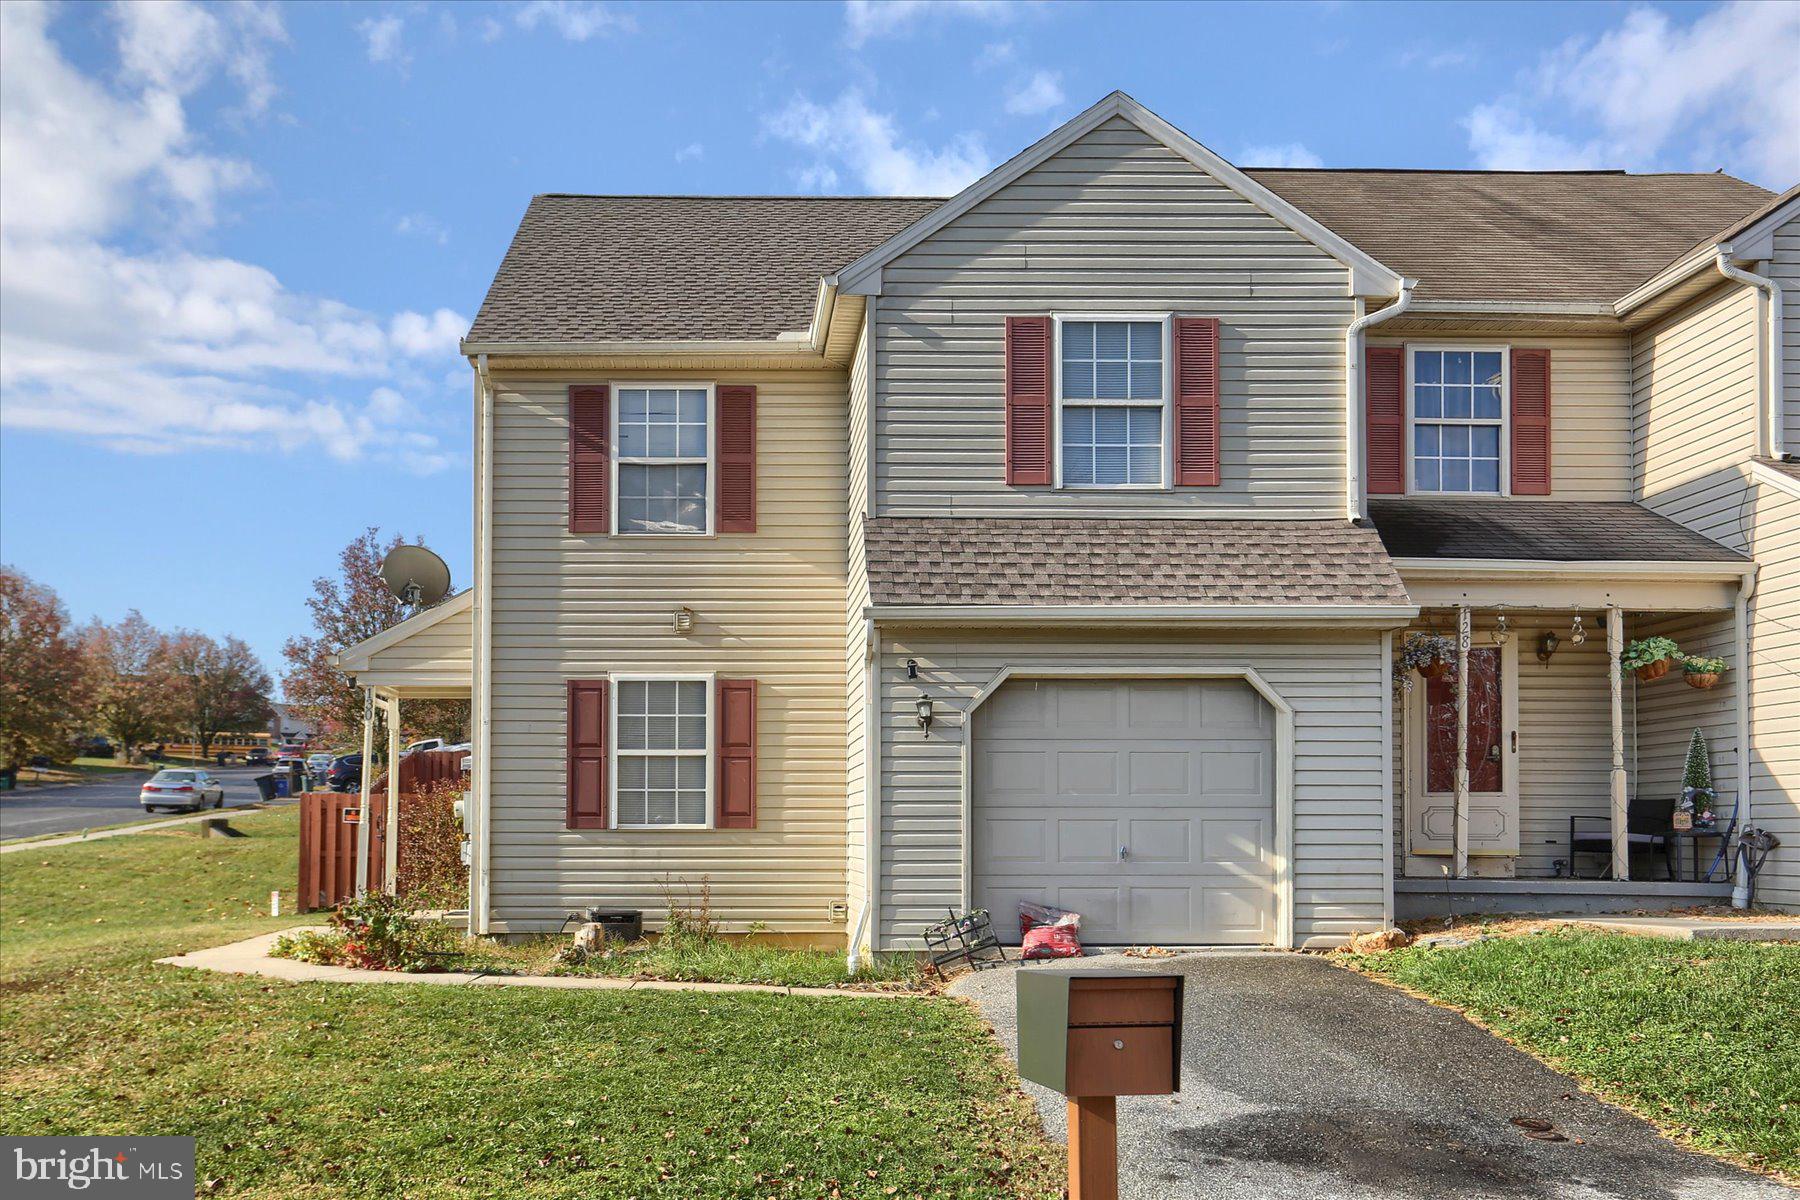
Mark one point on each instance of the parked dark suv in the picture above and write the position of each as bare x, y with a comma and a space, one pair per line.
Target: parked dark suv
258, 757
345, 774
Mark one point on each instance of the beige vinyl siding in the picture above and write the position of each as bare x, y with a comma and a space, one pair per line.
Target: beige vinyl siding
1590, 410
1333, 683
1565, 739
1695, 391
856, 669
1115, 222
441, 654
1669, 711
1784, 269
769, 606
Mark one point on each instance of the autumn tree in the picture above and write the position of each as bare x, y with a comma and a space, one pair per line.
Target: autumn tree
45, 687
220, 687
135, 696
351, 607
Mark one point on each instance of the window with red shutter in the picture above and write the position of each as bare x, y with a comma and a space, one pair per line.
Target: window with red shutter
737, 458
589, 468
1028, 401
1384, 419
586, 749
736, 754
1531, 422
1196, 374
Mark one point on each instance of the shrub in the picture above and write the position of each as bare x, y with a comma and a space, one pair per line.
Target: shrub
431, 871
376, 932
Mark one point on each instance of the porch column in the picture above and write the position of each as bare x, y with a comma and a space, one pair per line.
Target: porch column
1621, 840
391, 844
1462, 742
368, 782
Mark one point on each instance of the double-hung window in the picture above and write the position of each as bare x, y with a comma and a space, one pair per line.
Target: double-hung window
1458, 419
664, 440
661, 758
1112, 402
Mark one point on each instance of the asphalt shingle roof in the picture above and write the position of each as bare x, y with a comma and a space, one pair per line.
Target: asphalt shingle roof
1053, 561
1548, 530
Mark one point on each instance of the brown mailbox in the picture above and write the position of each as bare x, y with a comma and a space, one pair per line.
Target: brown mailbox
1100, 1033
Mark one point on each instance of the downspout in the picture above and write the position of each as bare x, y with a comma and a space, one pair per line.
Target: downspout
865, 919
481, 882
1356, 502
1774, 416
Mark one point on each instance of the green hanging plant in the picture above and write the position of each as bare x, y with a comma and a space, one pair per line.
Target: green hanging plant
1650, 657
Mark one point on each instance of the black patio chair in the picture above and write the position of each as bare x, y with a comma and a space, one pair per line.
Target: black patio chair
1648, 824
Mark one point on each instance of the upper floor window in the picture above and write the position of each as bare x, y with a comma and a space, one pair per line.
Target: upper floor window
664, 459
1458, 420
1112, 402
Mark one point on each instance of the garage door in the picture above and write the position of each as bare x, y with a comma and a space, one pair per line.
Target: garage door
1145, 805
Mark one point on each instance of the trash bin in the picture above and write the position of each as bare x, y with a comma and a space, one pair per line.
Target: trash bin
8, 780
266, 785
283, 784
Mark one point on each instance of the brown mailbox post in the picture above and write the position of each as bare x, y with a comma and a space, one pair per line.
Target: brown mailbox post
1093, 1036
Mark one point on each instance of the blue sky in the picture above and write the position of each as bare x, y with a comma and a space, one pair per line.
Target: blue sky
238, 243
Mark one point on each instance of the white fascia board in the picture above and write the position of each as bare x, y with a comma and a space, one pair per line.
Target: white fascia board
1755, 243
1763, 473
1550, 308
1147, 614
353, 659
800, 346
1368, 276
1534, 568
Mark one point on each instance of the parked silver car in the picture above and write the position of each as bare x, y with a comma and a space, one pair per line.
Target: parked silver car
173, 789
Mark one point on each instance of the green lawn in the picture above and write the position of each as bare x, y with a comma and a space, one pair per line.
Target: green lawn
1702, 1038
315, 1090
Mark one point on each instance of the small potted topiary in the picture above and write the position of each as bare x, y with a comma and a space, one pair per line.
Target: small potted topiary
1430, 654
1650, 657
1702, 672
1695, 808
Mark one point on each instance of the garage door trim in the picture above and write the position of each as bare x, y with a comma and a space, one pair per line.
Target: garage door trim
1284, 766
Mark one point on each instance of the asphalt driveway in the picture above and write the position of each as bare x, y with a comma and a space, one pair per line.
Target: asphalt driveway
1303, 1081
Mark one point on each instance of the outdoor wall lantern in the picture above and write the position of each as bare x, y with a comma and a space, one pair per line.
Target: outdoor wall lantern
1547, 646
924, 705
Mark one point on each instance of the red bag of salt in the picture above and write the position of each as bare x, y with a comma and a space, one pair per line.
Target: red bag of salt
1048, 932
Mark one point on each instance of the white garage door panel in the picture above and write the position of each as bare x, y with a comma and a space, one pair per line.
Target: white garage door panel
1145, 805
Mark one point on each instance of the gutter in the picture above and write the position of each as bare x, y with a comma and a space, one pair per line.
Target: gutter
797, 347
1356, 503
481, 667
1772, 397
1379, 615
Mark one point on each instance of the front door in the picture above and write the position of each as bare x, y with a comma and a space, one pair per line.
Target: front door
1492, 759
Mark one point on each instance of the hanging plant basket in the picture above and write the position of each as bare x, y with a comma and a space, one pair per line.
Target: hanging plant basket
1650, 658
1701, 679
1437, 668
1655, 670
1430, 654
1702, 672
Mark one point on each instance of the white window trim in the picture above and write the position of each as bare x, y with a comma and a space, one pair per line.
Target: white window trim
710, 462
1505, 352
614, 679
1167, 321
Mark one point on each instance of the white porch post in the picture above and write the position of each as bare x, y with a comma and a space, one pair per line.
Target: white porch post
1462, 742
1621, 840
368, 782
390, 864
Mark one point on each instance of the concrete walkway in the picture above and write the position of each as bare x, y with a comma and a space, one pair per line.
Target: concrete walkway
1699, 929
251, 957
1305, 1081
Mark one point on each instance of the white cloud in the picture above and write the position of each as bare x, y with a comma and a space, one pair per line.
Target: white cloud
182, 348
572, 19
382, 37
996, 54
423, 225
690, 152
1650, 93
867, 144
1432, 58
1282, 154
820, 177
865, 20
1041, 93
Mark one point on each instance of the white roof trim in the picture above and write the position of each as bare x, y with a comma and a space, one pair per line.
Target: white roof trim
1765, 473
1179, 614
1368, 277
1460, 568
1754, 243
353, 659
799, 347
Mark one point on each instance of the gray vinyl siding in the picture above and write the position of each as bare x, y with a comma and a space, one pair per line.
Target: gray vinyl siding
770, 607
1333, 683
1590, 411
1695, 391
1784, 269
1115, 222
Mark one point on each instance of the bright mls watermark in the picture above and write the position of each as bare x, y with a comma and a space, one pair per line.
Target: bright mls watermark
143, 1168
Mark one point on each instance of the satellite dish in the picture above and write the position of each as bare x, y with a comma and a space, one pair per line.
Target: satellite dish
417, 577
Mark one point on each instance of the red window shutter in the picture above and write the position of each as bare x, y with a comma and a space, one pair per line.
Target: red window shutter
589, 468
1028, 401
1384, 419
737, 458
1531, 422
1196, 375
736, 752
587, 754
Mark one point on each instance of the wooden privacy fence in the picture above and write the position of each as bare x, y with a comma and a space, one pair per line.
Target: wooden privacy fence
328, 825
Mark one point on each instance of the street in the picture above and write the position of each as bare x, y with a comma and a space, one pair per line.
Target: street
33, 813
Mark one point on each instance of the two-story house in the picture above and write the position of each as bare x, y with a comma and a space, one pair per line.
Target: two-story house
865, 558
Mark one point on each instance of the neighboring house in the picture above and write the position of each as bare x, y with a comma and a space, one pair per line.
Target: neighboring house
866, 558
